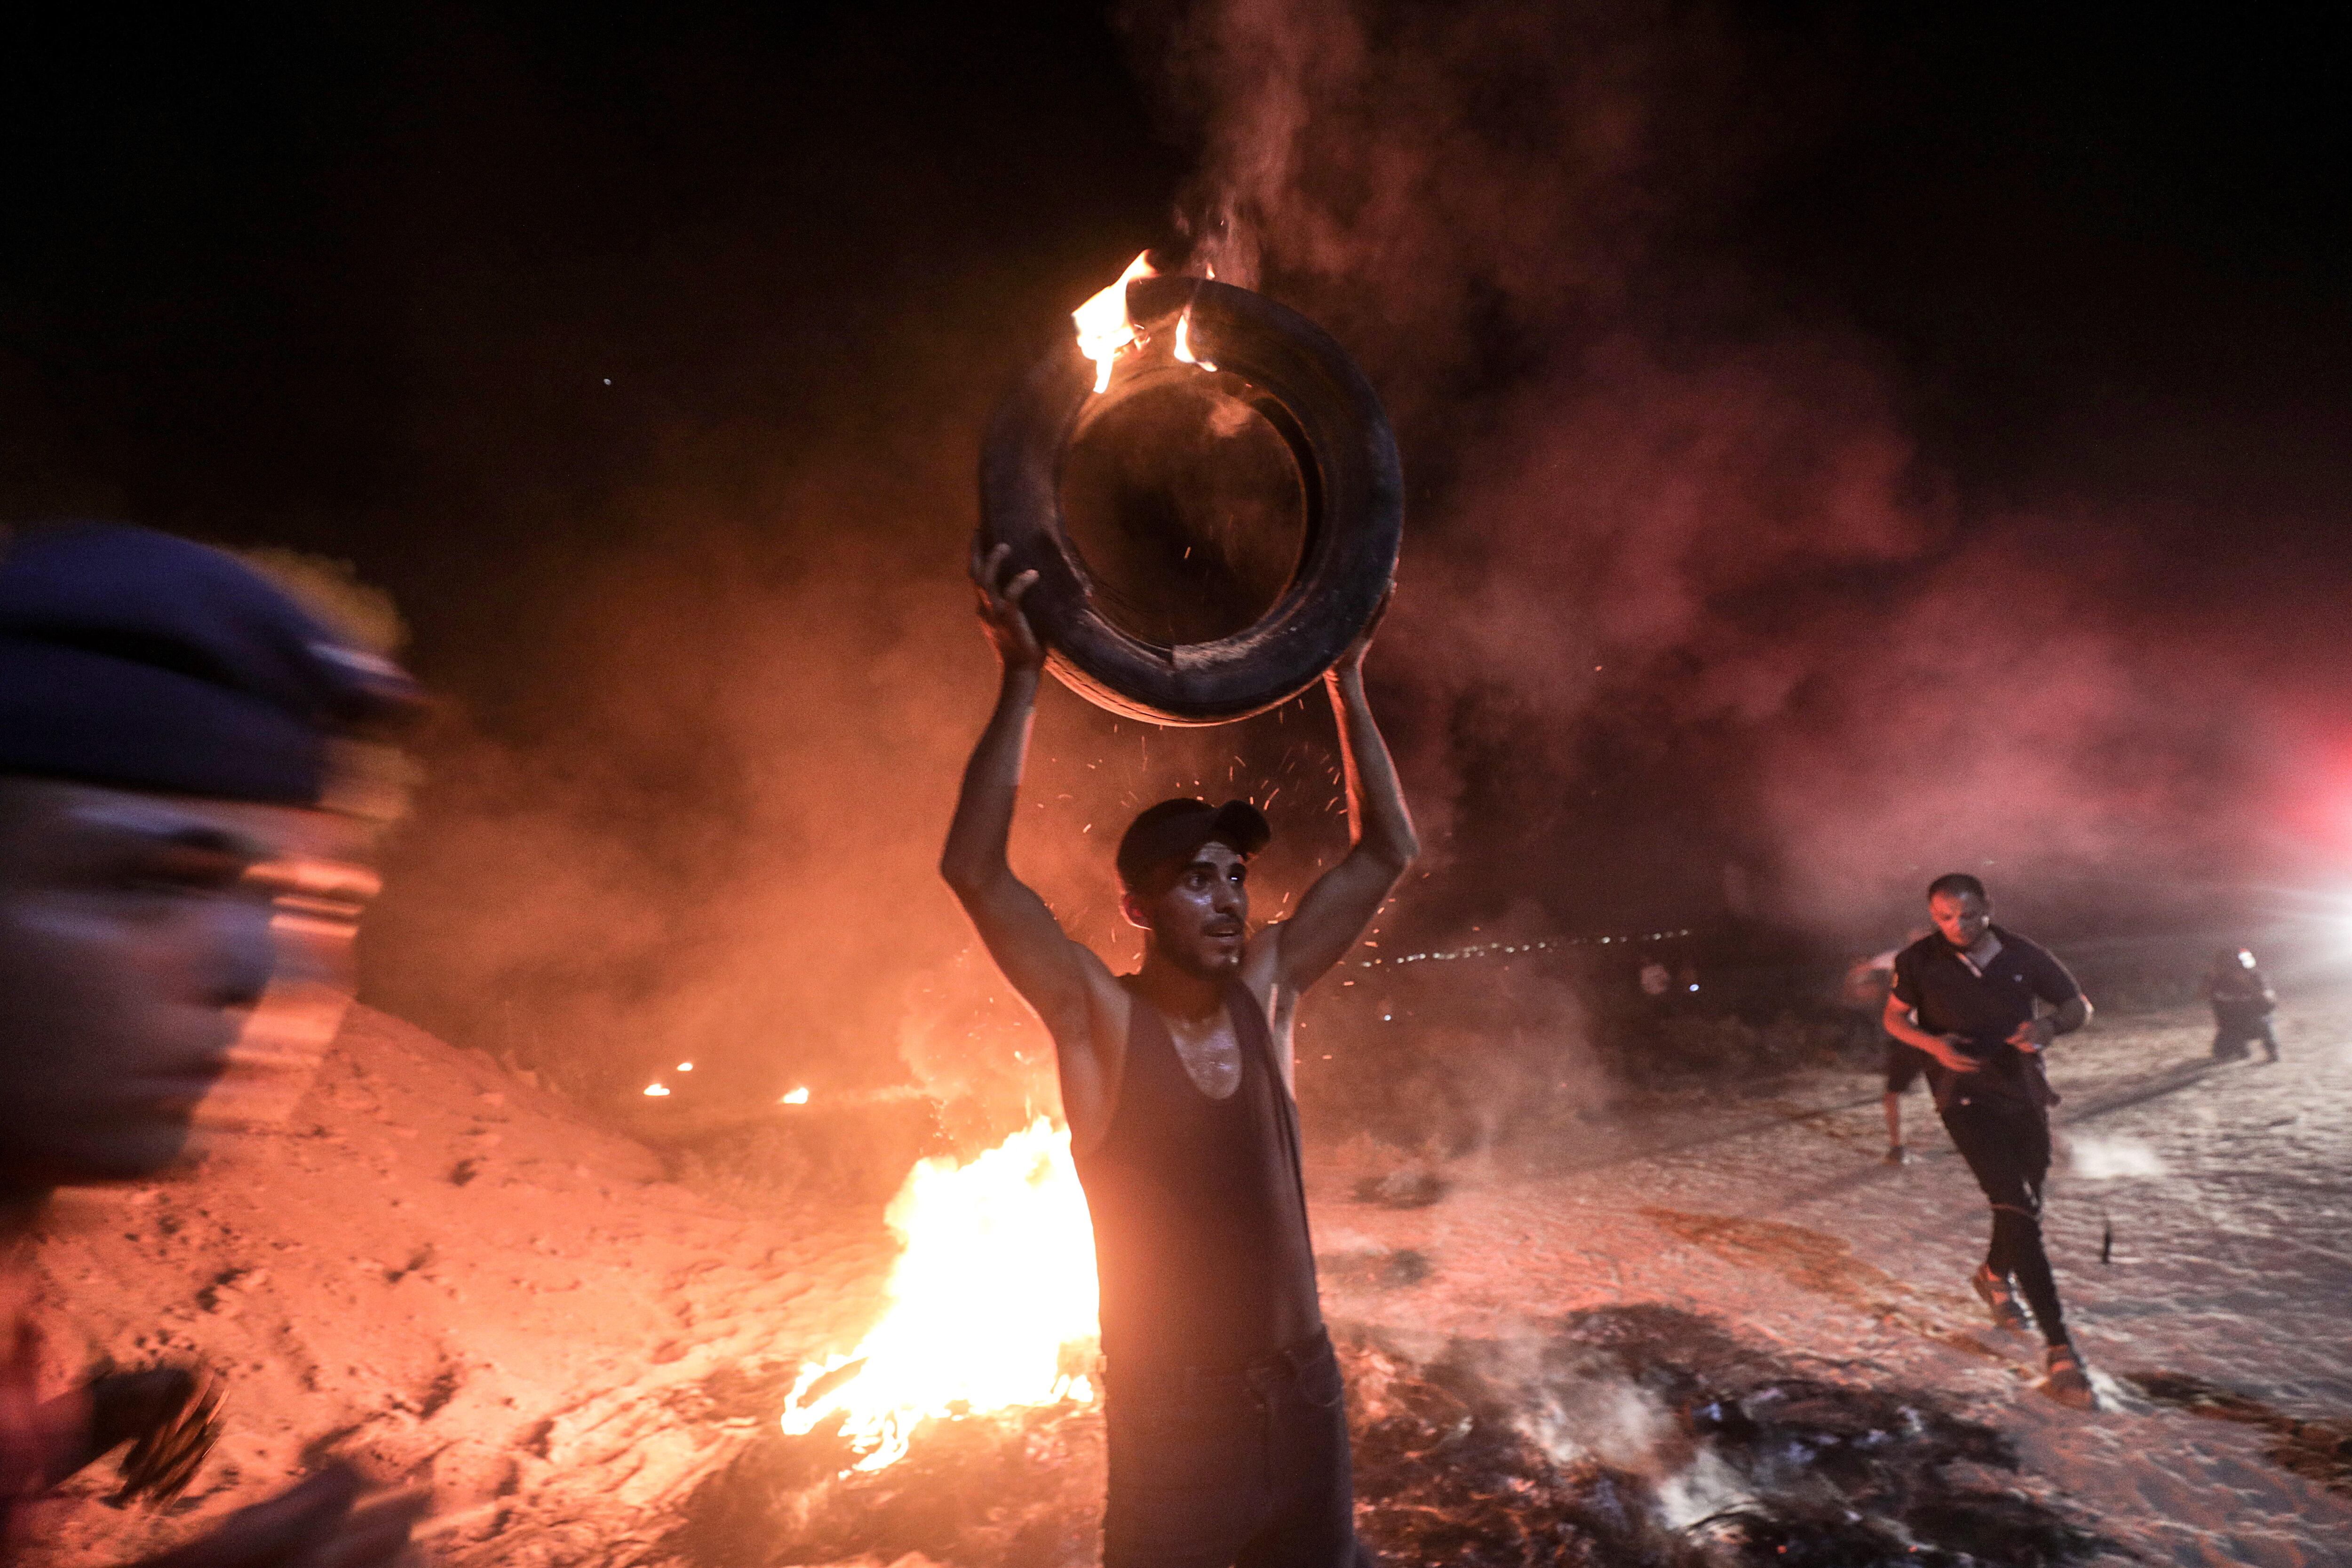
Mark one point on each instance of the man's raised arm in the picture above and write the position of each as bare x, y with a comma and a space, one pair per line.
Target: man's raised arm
1343, 900
1028, 943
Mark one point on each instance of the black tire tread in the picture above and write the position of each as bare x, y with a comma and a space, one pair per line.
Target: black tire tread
1323, 405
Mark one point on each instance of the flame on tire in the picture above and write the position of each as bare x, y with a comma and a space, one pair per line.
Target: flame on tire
1104, 325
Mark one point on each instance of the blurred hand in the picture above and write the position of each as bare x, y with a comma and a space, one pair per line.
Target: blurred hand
1953, 1059
169, 1414
2033, 1034
1001, 593
312, 1525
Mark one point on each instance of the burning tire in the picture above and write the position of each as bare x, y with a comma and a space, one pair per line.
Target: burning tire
1303, 385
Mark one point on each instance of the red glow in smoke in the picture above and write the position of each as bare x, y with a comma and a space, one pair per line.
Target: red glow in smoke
2318, 813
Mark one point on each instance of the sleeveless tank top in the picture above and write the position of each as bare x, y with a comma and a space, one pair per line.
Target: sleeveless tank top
1199, 1210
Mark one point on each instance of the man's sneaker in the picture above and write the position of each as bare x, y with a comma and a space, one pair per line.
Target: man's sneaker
1896, 1154
1998, 1297
2068, 1384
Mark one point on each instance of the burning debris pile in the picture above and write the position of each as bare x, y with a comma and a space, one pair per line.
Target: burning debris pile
1019, 1490
992, 1303
1630, 1436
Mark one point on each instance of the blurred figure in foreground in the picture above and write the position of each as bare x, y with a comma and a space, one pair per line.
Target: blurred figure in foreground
1965, 996
2242, 1004
169, 734
1225, 1409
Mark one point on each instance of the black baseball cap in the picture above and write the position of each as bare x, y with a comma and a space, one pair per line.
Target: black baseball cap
1163, 839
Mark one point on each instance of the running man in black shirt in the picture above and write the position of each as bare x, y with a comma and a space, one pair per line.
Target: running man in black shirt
1965, 994
1228, 1433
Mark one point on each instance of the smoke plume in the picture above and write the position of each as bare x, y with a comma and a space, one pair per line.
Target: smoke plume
1693, 619
1676, 542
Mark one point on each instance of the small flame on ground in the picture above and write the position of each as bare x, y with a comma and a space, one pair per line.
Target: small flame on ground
795, 1097
1104, 326
993, 1301
656, 1090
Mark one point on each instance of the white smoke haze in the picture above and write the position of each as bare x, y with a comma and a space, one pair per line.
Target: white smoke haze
2097, 1158
1606, 1418
717, 836
1703, 1489
1594, 1413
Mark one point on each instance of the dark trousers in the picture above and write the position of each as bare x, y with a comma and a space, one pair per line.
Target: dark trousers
1904, 1064
2232, 1036
2007, 1146
1244, 1470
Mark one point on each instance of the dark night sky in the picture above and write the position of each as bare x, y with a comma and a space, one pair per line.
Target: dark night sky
256, 267
2077, 222
354, 281
337, 281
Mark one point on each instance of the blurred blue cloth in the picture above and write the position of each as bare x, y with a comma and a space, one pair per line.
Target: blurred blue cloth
134, 658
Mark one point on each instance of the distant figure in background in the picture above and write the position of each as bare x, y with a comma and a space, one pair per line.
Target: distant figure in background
1868, 985
1225, 1410
1965, 997
166, 721
1656, 983
2242, 1004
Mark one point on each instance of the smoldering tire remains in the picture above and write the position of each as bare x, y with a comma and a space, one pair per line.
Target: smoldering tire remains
1581, 1449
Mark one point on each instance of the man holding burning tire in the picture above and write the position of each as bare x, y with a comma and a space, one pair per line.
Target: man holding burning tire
1227, 1422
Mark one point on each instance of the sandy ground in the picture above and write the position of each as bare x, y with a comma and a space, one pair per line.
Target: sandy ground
2228, 1188
468, 1286
460, 1283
